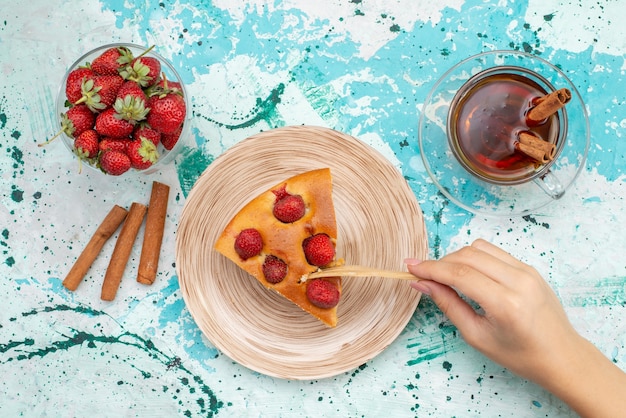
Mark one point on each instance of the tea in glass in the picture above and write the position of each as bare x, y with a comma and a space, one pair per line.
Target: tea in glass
486, 118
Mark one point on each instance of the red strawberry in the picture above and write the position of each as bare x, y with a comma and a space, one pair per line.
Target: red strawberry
143, 70
132, 89
112, 60
86, 145
274, 269
74, 82
289, 208
248, 243
130, 102
165, 84
167, 112
74, 122
100, 91
78, 119
144, 131
114, 163
142, 153
116, 144
318, 250
110, 123
281, 192
322, 293
169, 140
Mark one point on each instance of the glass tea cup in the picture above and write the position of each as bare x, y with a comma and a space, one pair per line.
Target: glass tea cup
488, 115
477, 180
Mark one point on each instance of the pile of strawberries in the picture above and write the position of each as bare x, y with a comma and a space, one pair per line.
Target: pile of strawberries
121, 108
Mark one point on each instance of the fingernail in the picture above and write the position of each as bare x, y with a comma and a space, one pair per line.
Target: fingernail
421, 287
412, 261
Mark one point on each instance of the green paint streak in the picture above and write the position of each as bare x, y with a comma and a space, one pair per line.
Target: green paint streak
3, 120
264, 110
437, 217
423, 358
428, 344
321, 98
12, 344
609, 291
65, 308
190, 166
79, 338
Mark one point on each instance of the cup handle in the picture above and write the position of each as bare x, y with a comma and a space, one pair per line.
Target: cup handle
549, 183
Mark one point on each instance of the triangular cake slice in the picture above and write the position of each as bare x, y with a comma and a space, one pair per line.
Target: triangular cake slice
286, 232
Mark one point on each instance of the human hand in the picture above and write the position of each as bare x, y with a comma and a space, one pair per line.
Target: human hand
521, 325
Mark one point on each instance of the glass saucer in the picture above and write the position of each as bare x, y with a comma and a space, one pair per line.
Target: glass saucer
472, 193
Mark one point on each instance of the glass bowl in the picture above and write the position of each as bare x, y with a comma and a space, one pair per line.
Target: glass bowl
165, 156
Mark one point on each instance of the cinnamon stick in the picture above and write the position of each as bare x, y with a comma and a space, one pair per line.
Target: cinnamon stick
82, 264
122, 250
546, 106
536, 148
153, 236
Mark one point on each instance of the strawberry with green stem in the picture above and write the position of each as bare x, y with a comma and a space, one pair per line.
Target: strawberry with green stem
99, 92
166, 84
167, 110
142, 153
143, 70
130, 102
112, 61
74, 122
144, 131
86, 146
74, 83
110, 123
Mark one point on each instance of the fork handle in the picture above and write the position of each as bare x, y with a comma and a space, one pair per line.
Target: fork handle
360, 271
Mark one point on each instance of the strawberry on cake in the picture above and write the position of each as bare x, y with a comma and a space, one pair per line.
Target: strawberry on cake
284, 233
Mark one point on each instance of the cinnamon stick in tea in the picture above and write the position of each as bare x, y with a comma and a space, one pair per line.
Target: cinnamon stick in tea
536, 148
122, 250
153, 236
106, 229
546, 106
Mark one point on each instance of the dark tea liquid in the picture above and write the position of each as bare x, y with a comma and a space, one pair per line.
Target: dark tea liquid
486, 122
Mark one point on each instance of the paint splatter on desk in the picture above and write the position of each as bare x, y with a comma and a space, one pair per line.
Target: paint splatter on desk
360, 67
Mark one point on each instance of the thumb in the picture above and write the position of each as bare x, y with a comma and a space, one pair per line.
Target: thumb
451, 304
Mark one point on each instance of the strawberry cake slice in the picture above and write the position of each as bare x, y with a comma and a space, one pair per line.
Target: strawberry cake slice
284, 233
